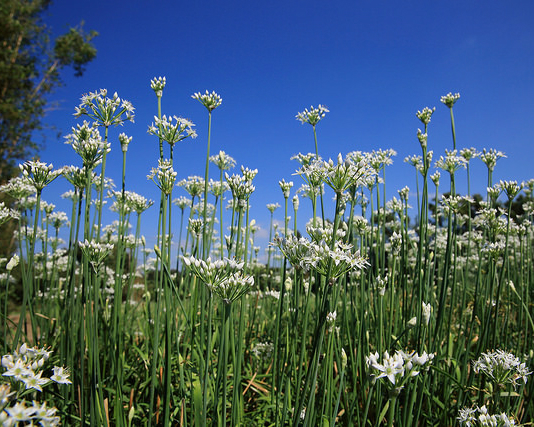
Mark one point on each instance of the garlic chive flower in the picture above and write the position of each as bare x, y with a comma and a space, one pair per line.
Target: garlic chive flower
88, 144
77, 176
285, 187
223, 161
425, 115
449, 100
95, 252
163, 176
272, 207
479, 416
306, 255
511, 188
313, 115
125, 141
222, 277
398, 368
17, 188
209, 100
194, 185
172, 132
61, 375
423, 138
241, 188
13, 262
7, 213
157, 84
103, 110
38, 174
501, 367
490, 157
451, 162
469, 153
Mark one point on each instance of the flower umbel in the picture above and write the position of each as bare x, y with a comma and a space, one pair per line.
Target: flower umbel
105, 111
209, 100
313, 116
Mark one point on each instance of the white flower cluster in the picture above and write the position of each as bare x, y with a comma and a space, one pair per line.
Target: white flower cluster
425, 115
95, 252
450, 99
157, 84
490, 157
479, 416
88, 144
103, 110
38, 174
209, 100
398, 368
502, 367
313, 116
24, 368
222, 160
164, 176
172, 132
7, 213
222, 277
307, 255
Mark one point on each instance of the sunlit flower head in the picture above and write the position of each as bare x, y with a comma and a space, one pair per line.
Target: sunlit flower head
125, 141
490, 157
157, 84
7, 213
163, 176
313, 115
209, 100
425, 115
449, 100
172, 132
38, 174
272, 207
103, 110
223, 161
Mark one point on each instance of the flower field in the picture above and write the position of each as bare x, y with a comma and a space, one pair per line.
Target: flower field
367, 317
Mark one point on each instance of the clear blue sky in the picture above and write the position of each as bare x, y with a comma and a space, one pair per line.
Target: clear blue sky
373, 64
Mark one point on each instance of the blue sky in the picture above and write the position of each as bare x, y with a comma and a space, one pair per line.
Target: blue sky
373, 64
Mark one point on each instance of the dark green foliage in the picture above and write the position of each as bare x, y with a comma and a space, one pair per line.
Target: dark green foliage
30, 66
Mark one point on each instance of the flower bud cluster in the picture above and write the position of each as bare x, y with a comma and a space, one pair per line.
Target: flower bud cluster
425, 115
157, 84
272, 207
449, 100
285, 187
87, 142
240, 186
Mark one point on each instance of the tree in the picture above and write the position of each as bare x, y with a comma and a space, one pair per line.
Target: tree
30, 68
